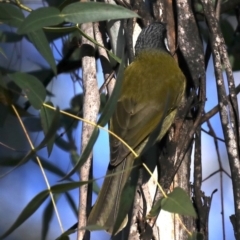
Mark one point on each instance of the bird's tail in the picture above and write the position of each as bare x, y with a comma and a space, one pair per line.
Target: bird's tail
106, 208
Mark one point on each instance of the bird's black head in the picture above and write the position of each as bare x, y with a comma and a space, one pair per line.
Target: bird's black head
151, 37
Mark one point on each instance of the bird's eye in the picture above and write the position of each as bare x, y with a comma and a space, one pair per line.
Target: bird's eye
166, 43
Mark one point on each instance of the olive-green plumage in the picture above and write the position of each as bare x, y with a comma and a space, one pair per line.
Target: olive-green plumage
152, 89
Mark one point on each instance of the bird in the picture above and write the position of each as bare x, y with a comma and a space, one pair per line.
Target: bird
152, 89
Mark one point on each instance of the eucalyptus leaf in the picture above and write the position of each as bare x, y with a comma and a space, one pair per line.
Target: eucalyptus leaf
64, 187
50, 121
11, 15
32, 206
74, 228
33, 88
53, 168
72, 203
47, 217
51, 129
9, 37
85, 153
2, 52
178, 202
63, 144
110, 106
39, 18
39, 40
83, 12
155, 209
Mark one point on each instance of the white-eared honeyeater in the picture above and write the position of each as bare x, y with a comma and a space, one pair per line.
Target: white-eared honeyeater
152, 89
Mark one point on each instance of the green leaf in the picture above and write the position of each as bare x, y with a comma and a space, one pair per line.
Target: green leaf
50, 122
36, 202
110, 106
85, 153
155, 209
47, 217
178, 202
32, 206
72, 203
40, 41
39, 18
196, 236
26, 158
64, 237
3, 53
51, 130
9, 37
53, 168
74, 156
33, 88
82, 12
64, 187
63, 144
74, 228
11, 15
13, 161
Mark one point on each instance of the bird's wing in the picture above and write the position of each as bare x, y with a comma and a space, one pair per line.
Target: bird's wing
133, 122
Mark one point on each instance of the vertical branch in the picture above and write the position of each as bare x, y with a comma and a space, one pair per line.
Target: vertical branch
228, 108
106, 66
199, 200
91, 105
192, 50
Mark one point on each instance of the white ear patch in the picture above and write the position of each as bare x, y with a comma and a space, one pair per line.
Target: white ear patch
166, 43
136, 31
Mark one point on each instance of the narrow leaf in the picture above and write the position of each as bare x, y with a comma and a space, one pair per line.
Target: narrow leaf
110, 106
2, 53
82, 12
32, 206
51, 131
11, 15
50, 122
39, 40
71, 203
71, 230
64, 187
178, 202
155, 209
33, 88
47, 217
53, 168
28, 156
9, 37
63, 144
39, 18
85, 153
